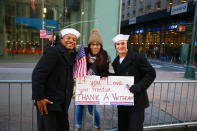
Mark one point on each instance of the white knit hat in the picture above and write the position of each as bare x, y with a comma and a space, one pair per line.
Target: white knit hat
66, 31
120, 37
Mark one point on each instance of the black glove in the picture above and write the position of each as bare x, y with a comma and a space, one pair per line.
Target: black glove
132, 89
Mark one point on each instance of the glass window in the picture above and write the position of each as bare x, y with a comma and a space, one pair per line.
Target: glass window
22, 24
134, 2
158, 5
134, 13
184, 1
149, 9
128, 15
123, 5
122, 17
128, 2
170, 3
141, 11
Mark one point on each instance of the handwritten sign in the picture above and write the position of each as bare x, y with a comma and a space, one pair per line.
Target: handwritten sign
112, 90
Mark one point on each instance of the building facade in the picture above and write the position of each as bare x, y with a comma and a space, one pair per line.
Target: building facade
160, 29
21, 24
22, 20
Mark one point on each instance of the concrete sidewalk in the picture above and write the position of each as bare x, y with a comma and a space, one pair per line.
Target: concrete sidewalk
161, 75
17, 65
170, 76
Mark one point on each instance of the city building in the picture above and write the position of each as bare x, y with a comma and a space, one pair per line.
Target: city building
22, 22
160, 29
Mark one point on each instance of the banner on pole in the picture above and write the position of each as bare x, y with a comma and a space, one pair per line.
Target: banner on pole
112, 90
46, 34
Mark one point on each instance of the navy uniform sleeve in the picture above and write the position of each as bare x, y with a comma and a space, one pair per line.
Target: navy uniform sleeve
148, 73
41, 72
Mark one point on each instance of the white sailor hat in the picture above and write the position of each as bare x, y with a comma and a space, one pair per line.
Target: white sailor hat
120, 37
66, 31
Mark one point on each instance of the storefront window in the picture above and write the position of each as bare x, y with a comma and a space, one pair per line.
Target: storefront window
160, 43
23, 20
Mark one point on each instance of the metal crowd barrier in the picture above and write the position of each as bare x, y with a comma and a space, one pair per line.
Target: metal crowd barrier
172, 103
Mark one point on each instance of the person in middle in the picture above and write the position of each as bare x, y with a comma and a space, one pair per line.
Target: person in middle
97, 64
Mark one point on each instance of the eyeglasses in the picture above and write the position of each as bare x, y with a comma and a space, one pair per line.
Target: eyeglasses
96, 45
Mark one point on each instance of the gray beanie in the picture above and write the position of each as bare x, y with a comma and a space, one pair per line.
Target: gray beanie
95, 37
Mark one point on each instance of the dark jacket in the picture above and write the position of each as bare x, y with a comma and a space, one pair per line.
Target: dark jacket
144, 74
52, 78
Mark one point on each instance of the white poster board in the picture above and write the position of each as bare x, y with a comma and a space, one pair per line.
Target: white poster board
112, 90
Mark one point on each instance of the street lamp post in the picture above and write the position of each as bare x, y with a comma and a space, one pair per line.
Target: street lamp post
44, 11
190, 68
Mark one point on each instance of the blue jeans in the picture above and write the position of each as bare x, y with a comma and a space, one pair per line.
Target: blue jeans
79, 115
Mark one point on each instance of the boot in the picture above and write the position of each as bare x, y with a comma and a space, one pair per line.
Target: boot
77, 129
97, 129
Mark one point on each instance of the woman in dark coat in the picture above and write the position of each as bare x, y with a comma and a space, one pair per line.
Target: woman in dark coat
129, 63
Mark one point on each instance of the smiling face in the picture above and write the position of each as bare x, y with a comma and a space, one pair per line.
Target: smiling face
121, 47
69, 41
95, 48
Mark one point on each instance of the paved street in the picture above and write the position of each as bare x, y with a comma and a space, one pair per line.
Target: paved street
169, 67
18, 71
156, 113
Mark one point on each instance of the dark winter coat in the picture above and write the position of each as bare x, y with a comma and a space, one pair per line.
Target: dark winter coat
52, 78
144, 74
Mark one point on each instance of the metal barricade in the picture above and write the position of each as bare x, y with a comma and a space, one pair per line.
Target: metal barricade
171, 103
16, 106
